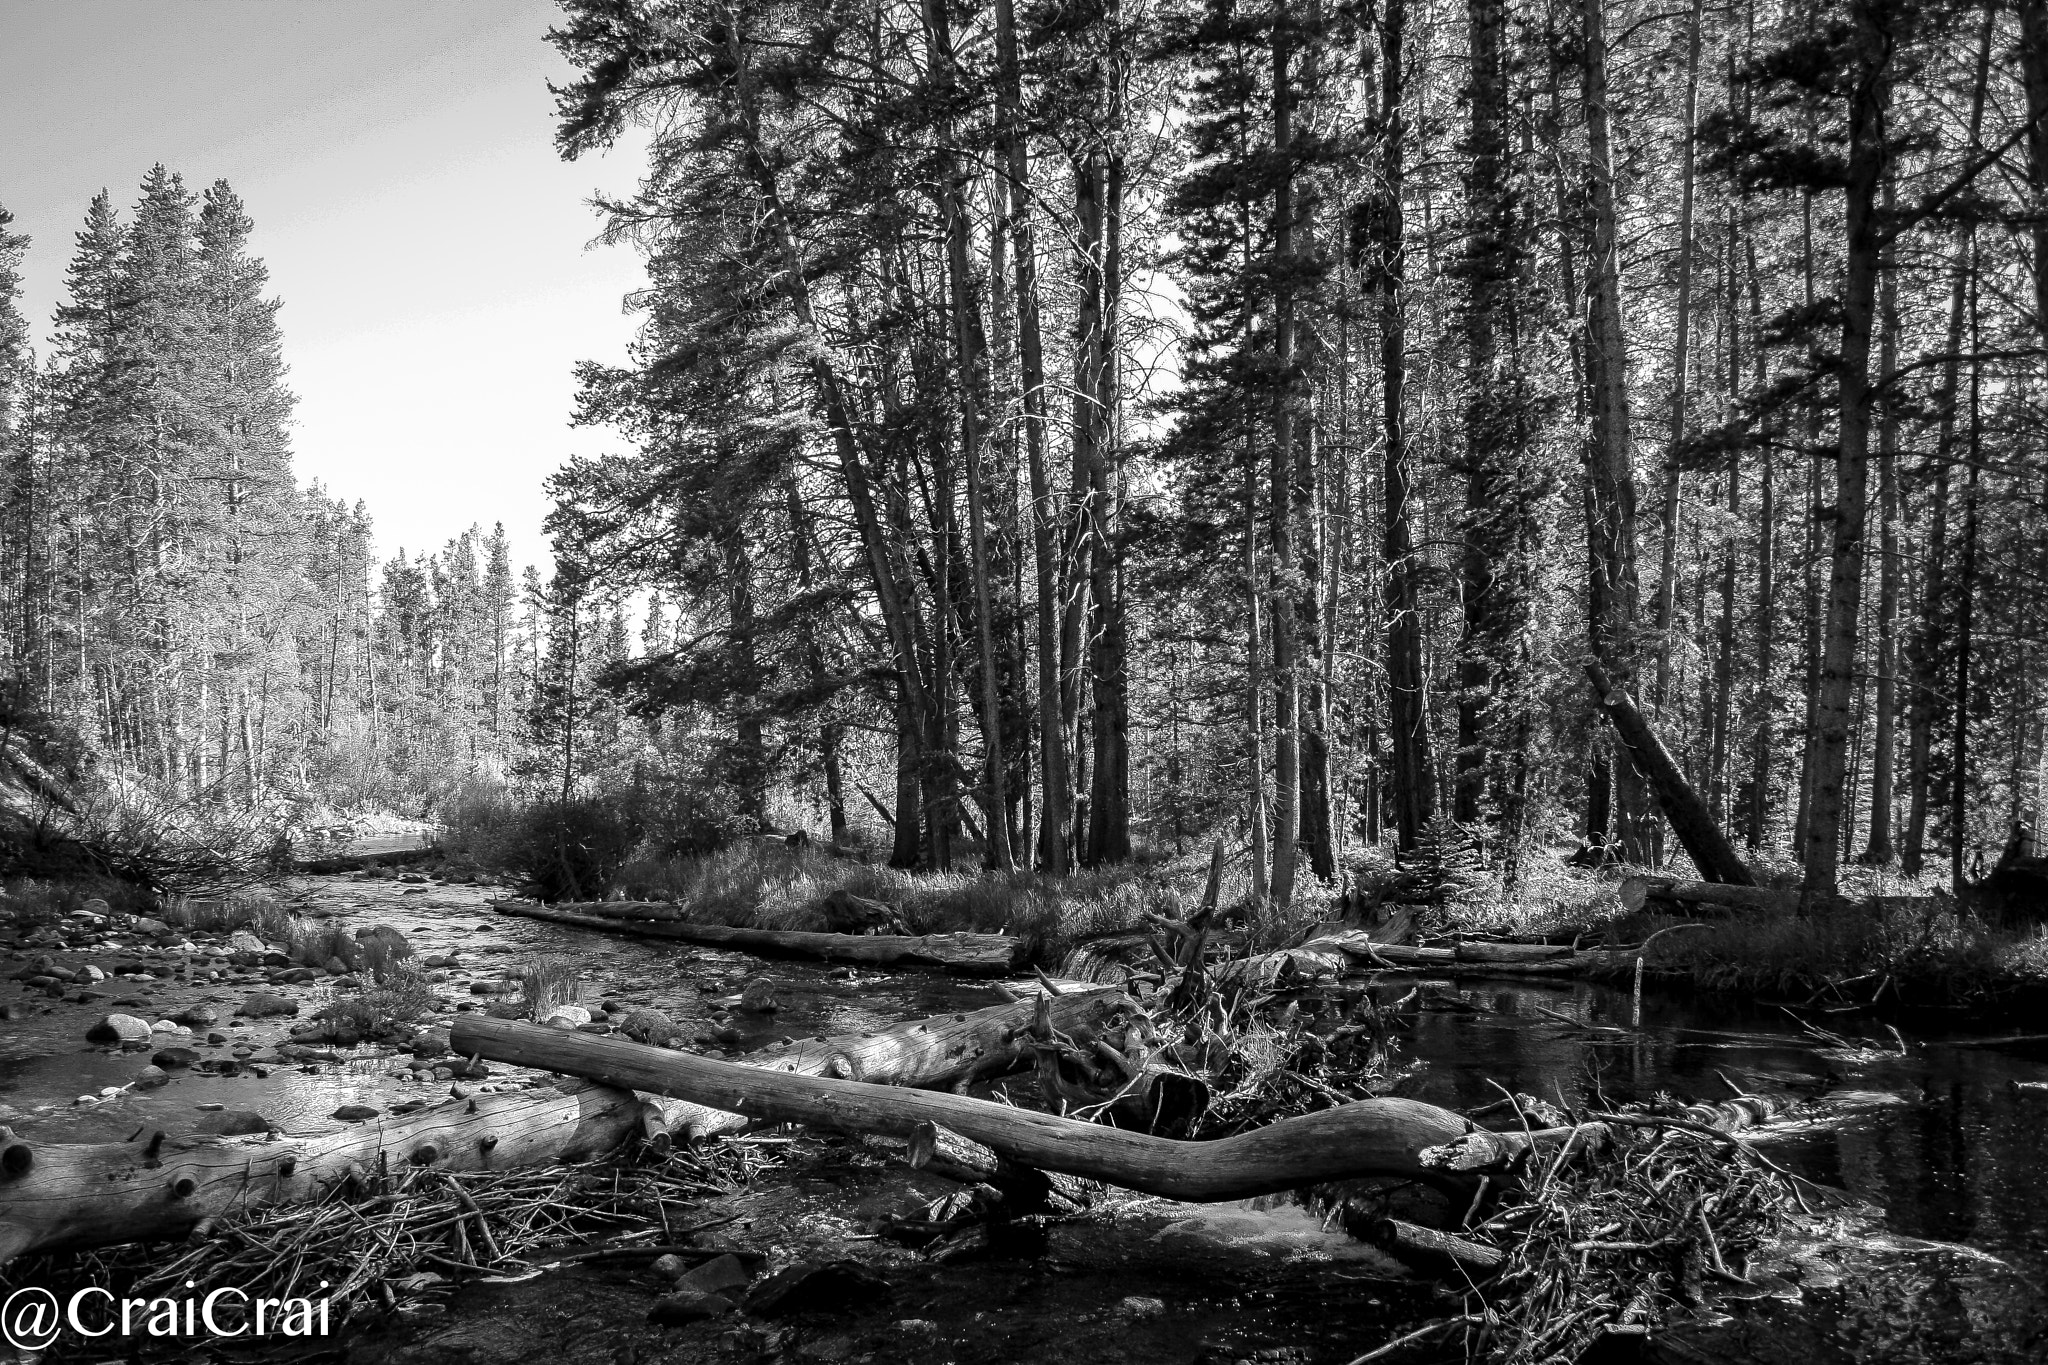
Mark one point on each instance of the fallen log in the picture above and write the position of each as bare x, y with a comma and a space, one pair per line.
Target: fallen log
1676, 896
360, 862
1704, 841
962, 954
1366, 1138
1430, 1250
947, 1051
156, 1186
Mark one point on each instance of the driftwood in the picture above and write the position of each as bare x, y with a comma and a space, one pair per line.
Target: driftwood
947, 1051
1380, 1137
1431, 1250
1485, 1151
1690, 819
361, 862
157, 1186
961, 954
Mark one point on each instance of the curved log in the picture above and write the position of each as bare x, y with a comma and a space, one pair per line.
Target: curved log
156, 1186
945, 1051
961, 954
1381, 1137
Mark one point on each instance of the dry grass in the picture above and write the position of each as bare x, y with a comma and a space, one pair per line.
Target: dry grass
547, 982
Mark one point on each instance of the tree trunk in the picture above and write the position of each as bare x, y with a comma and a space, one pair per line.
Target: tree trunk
1286, 680
1055, 821
1868, 108
154, 1187
1380, 1137
970, 347
1883, 758
1610, 455
1412, 783
1690, 819
1929, 649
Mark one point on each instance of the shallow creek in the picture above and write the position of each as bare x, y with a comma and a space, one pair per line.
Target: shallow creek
1961, 1158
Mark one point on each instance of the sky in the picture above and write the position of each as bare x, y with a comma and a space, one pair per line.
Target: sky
397, 158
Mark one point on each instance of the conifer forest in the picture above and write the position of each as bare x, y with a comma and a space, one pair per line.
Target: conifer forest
1066, 429
1388, 575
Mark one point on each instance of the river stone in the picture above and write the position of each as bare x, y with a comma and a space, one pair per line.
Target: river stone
170, 1057
232, 1123
148, 928
152, 1075
677, 1309
264, 1004
355, 1113
807, 1287
758, 997
124, 1029
716, 1276
199, 1016
89, 973
242, 941
649, 1026
566, 1016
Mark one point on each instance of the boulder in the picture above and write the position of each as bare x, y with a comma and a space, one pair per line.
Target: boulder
720, 1275
147, 927
265, 1005
355, 1113
565, 1016
198, 1017
758, 997
151, 1075
124, 1029
232, 1123
171, 1057
242, 941
650, 1026
812, 1287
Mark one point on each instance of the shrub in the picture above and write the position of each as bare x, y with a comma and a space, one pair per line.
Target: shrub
401, 996
570, 850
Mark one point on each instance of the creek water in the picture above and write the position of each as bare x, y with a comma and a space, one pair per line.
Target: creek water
1941, 1259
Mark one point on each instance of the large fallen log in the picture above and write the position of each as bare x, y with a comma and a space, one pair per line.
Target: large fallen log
1676, 896
1354, 950
947, 1051
1381, 1137
1705, 842
962, 954
68, 1196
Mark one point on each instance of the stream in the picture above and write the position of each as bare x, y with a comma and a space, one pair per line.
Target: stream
1940, 1257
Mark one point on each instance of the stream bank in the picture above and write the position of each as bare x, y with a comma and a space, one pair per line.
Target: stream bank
1957, 1160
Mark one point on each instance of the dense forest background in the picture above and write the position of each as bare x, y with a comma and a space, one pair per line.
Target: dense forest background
1068, 428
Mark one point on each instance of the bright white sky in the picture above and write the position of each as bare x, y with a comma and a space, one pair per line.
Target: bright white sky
397, 157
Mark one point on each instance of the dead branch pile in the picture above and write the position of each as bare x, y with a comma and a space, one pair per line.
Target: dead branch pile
1612, 1234
414, 1233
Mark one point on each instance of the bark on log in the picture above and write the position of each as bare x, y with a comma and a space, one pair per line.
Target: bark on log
1671, 895
1382, 1137
1434, 1251
1690, 819
1679, 897
86, 1195
946, 1051
960, 954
